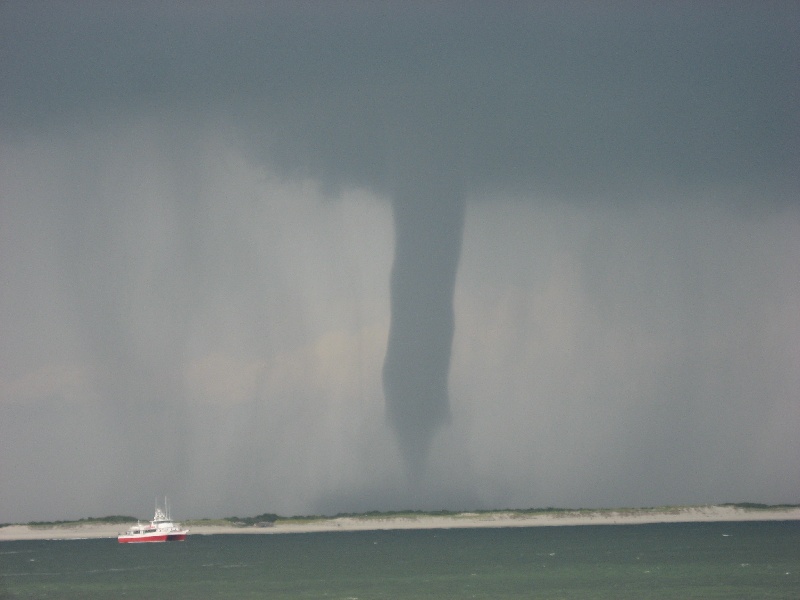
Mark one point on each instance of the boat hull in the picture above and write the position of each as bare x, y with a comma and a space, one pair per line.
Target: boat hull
178, 536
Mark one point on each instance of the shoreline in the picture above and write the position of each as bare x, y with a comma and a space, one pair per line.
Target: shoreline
641, 516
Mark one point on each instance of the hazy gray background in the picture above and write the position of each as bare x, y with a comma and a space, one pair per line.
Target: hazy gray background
204, 211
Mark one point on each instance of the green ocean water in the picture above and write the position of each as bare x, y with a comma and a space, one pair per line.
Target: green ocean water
700, 560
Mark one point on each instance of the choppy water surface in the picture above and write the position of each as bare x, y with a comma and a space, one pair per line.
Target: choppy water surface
705, 560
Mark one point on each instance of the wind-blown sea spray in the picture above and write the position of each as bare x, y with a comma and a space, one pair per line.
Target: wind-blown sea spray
428, 232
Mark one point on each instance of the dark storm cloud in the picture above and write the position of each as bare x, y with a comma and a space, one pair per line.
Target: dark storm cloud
436, 107
569, 98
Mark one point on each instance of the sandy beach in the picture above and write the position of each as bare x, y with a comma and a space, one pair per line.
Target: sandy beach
462, 520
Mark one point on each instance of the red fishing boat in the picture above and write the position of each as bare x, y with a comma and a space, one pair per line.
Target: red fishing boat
160, 529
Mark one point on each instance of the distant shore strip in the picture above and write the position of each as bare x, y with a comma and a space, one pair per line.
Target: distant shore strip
110, 527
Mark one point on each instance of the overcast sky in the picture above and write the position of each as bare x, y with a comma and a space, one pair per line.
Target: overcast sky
321, 257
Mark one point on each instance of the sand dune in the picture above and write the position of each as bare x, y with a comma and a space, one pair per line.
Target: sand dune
462, 520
